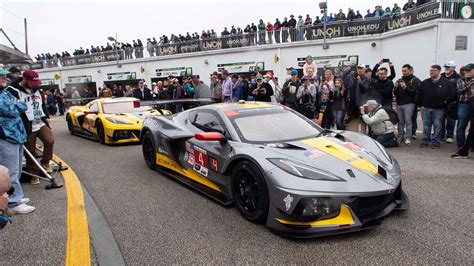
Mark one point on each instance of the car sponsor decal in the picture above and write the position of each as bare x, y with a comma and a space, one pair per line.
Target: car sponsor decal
189, 147
313, 154
342, 153
288, 200
214, 164
201, 162
191, 159
161, 150
169, 163
353, 146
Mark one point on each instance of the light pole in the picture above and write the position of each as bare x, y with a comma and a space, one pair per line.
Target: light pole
112, 39
324, 7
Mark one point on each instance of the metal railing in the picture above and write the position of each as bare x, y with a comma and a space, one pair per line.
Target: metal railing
342, 28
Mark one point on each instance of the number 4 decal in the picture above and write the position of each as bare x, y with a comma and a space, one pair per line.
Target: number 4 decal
214, 164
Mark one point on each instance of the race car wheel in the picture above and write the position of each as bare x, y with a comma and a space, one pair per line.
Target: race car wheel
250, 192
70, 127
148, 148
100, 132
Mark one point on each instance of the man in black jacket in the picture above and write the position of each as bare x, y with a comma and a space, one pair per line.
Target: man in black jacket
264, 91
435, 94
381, 86
284, 30
405, 91
142, 92
449, 121
292, 26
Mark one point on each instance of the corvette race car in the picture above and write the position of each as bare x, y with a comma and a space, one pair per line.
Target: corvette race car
277, 167
109, 120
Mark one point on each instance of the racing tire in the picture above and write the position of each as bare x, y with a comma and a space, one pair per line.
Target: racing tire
70, 126
100, 132
148, 149
250, 192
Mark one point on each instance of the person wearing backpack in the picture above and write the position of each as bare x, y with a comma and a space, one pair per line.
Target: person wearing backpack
405, 92
381, 121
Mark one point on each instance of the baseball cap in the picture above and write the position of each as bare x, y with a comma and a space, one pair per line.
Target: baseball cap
32, 77
290, 68
347, 63
294, 72
153, 83
371, 102
304, 78
268, 74
3, 72
259, 76
449, 64
361, 66
14, 69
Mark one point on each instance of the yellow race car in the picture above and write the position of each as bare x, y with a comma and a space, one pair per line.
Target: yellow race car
110, 120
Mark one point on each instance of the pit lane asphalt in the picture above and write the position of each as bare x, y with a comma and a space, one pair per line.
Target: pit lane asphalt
156, 220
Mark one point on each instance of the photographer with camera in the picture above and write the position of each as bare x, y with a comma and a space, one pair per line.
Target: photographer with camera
306, 96
264, 91
405, 92
381, 122
290, 89
381, 86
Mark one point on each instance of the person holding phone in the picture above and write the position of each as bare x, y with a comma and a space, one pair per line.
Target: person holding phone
381, 86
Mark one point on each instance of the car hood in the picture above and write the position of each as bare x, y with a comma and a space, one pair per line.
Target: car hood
360, 168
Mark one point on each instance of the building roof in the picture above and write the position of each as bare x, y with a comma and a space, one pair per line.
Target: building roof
13, 56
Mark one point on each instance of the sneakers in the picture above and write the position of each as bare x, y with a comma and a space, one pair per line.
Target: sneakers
449, 140
48, 168
407, 142
21, 209
414, 136
24, 200
435, 146
458, 156
35, 181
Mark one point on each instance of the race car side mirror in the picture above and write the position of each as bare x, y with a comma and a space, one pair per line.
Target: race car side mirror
90, 112
209, 136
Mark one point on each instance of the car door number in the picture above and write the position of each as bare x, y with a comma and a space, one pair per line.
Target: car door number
201, 163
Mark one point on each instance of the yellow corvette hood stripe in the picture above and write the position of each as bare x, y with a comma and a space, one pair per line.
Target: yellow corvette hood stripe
344, 218
169, 163
342, 153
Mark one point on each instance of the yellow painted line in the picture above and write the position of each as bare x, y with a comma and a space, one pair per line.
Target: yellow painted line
78, 246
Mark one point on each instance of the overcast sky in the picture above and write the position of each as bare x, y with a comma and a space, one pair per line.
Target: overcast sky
55, 26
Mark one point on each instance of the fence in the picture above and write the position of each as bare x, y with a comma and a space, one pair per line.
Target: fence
334, 29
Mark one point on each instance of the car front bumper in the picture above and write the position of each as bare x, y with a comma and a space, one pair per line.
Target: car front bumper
357, 213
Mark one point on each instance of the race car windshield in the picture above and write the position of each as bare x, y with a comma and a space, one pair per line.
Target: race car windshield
123, 107
273, 126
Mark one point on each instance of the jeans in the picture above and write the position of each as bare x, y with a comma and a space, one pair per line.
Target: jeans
11, 155
387, 140
414, 121
405, 114
432, 118
464, 114
338, 116
277, 36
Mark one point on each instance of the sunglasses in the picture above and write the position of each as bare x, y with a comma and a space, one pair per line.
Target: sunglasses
11, 191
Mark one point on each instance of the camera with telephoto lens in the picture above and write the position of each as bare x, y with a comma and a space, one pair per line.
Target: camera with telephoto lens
366, 109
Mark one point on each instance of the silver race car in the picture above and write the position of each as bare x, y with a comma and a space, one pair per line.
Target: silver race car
277, 167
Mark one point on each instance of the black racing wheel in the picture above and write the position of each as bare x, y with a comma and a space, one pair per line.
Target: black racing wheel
250, 192
70, 126
148, 149
100, 132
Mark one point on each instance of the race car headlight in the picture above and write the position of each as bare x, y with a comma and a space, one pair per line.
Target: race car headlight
321, 207
118, 121
304, 171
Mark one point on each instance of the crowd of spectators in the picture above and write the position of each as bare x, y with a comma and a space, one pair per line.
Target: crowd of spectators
281, 31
